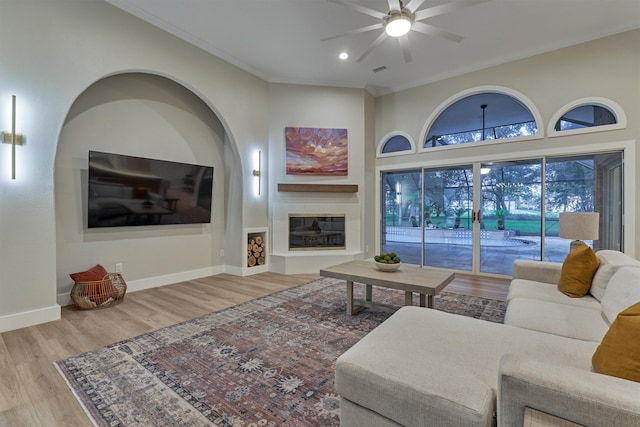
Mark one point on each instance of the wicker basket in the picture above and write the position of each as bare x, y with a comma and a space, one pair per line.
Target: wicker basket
100, 293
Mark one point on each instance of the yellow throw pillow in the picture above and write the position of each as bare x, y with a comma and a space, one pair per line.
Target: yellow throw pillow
577, 271
618, 354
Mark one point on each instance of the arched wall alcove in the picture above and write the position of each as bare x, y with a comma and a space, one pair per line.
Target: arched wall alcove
151, 116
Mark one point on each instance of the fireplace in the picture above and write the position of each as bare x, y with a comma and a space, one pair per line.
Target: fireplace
316, 231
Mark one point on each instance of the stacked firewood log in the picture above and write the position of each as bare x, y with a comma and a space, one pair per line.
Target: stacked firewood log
256, 251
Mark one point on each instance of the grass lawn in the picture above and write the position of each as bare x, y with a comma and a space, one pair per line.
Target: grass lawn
526, 226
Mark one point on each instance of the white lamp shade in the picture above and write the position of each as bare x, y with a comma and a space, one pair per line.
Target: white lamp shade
579, 225
398, 25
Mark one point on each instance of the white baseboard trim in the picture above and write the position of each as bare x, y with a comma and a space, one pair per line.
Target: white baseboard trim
25, 319
246, 271
183, 276
154, 282
235, 271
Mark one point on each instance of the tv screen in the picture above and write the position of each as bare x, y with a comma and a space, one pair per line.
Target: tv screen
131, 191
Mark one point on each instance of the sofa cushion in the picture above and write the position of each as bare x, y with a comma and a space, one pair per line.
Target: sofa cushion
570, 321
619, 353
356, 415
537, 271
426, 367
622, 292
93, 274
577, 271
610, 262
520, 288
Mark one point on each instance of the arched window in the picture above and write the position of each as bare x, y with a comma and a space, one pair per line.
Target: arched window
481, 116
587, 115
396, 143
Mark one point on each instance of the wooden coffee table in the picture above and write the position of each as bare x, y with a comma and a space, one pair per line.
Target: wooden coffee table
426, 281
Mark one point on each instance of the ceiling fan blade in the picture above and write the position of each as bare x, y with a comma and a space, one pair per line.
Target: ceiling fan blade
404, 43
394, 5
430, 30
361, 9
356, 31
376, 43
445, 8
413, 5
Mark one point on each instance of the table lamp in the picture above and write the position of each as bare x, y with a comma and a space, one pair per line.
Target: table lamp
579, 226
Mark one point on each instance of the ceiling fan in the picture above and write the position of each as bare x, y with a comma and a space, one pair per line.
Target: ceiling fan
400, 19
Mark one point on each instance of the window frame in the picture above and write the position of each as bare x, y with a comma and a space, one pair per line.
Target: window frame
614, 108
383, 141
545, 150
537, 117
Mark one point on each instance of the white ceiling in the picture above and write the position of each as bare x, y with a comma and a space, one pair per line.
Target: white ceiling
280, 40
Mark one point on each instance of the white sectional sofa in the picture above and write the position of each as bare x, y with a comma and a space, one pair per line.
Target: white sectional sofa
424, 367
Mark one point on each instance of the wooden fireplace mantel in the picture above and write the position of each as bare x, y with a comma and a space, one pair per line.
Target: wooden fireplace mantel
318, 188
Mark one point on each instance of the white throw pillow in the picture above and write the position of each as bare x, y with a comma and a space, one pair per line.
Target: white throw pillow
622, 292
610, 262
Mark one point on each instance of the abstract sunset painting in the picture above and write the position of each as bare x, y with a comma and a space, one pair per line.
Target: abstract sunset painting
316, 151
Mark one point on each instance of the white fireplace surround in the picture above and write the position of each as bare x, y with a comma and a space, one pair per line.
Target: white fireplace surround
288, 261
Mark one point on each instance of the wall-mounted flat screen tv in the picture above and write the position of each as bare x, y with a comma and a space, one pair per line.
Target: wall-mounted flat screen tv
131, 191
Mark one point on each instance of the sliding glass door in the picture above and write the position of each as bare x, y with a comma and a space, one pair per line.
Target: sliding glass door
402, 214
426, 216
451, 217
448, 225
511, 214
587, 183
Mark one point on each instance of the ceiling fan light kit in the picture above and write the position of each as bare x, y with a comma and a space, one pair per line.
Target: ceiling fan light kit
398, 24
400, 20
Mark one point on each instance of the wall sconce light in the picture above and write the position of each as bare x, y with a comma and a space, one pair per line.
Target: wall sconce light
12, 137
257, 172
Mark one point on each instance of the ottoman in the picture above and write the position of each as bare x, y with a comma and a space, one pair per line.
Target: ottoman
423, 367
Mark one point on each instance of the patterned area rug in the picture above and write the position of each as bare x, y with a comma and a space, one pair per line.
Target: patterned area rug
267, 362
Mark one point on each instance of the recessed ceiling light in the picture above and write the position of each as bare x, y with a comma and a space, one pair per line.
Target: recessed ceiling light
343, 55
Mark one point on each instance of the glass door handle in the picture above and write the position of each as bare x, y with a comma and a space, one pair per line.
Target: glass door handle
475, 216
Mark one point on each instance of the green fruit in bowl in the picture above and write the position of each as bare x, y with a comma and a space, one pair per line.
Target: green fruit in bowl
388, 258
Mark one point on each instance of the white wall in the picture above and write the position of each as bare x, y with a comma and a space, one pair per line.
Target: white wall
316, 107
606, 68
370, 179
58, 50
145, 116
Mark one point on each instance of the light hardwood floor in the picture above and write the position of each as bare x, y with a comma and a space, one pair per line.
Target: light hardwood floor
32, 393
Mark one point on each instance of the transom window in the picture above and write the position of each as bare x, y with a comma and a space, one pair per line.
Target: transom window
480, 117
586, 116
396, 143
